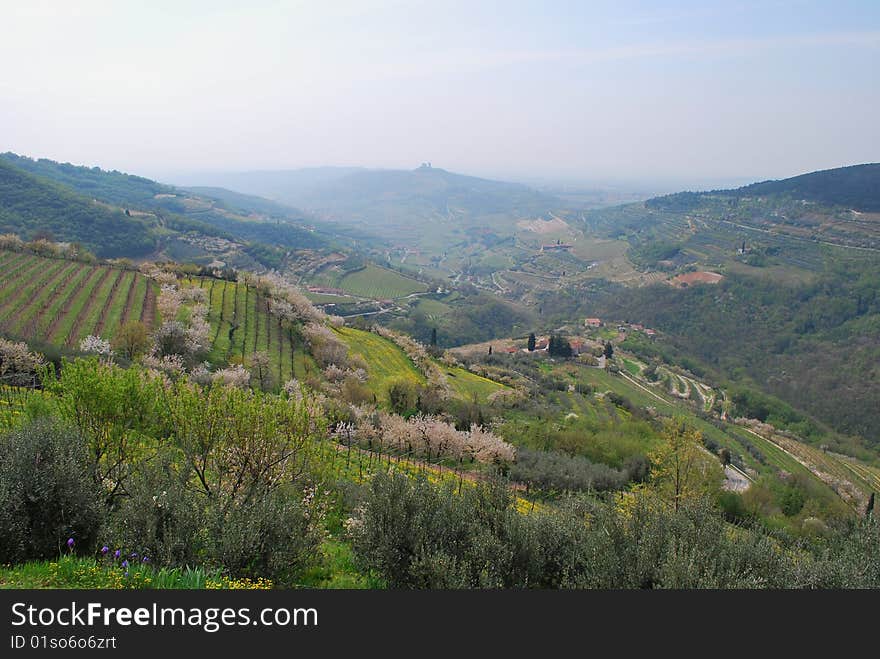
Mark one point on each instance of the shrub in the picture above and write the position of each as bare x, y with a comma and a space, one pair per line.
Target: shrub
161, 517
47, 494
560, 472
274, 537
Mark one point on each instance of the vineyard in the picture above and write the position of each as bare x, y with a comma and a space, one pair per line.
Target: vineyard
60, 302
242, 325
372, 282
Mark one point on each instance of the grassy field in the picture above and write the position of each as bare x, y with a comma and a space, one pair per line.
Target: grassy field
380, 283
60, 302
470, 385
385, 361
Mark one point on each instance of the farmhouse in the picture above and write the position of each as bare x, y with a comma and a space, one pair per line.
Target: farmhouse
577, 346
593, 322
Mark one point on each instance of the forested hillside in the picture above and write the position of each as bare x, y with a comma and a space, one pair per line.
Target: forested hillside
34, 207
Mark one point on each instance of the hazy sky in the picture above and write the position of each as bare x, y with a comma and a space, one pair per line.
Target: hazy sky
580, 90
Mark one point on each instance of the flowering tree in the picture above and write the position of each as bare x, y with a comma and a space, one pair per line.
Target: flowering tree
168, 302
430, 437
95, 345
235, 376
18, 365
239, 444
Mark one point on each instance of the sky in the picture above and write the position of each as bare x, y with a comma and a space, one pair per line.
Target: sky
552, 90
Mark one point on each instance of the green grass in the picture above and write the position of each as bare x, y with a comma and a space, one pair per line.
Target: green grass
75, 307
255, 330
87, 573
92, 311
28, 316
385, 361
469, 385
324, 298
337, 570
53, 311
380, 283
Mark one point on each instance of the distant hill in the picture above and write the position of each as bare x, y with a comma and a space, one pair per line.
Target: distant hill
32, 206
284, 186
426, 192
378, 198
856, 187
159, 215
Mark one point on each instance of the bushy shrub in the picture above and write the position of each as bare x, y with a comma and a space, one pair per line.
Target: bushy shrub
160, 516
47, 494
417, 535
274, 537
550, 470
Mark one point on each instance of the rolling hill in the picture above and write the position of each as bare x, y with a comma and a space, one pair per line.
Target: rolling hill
856, 187
116, 214
397, 203
32, 206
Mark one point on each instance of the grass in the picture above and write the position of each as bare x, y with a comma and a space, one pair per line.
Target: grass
385, 360
337, 570
380, 283
469, 385
87, 573
237, 312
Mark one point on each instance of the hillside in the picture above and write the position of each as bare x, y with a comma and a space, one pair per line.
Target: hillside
856, 187
33, 206
793, 308
400, 205
157, 220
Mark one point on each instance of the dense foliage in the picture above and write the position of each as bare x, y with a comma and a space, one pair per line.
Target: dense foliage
417, 535
34, 207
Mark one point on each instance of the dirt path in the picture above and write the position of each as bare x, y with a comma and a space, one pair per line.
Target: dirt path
148, 311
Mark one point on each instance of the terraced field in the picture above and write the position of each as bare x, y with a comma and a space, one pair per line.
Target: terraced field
242, 325
60, 302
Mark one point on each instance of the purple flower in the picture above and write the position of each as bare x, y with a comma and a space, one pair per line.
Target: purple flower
104, 550
125, 565
70, 543
146, 560
116, 554
134, 554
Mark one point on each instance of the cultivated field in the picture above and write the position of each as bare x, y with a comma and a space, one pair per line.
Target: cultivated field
242, 325
372, 282
60, 302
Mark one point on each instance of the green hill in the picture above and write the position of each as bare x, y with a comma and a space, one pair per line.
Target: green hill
32, 206
856, 187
